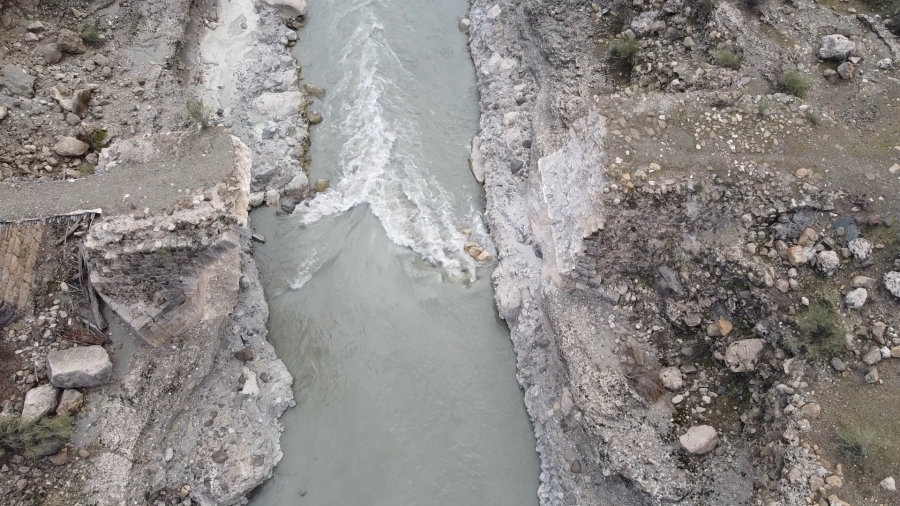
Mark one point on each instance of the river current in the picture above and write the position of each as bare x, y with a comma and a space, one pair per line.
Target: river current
405, 375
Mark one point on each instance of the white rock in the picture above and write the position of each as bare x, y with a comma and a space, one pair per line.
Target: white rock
82, 367
251, 387
861, 249
671, 378
38, 402
699, 439
741, 355
170, 454
856, 298
889, 484
464, 25
272, 198
256, 199
827, 262
892, 283
494, 12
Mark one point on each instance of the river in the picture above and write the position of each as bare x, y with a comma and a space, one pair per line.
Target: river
405, 375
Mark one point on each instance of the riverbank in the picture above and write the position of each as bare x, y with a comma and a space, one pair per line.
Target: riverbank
692, 206
108, 109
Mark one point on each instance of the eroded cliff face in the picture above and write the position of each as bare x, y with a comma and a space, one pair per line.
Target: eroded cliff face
642, 214
201, 399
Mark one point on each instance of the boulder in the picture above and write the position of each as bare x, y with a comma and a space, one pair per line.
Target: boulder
740, 356
321, 185
796, 256
256, 199
835, 47
81, 367
856, 298
38, 402
297, 188
863, 282
70, 402
892, 283
16, 81
699, 439
70, 42
70, 146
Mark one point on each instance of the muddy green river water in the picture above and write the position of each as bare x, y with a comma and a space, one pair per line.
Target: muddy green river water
405, 375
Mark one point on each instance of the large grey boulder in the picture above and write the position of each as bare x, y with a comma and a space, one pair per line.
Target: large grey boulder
836, 47
16, 81
699, 439
39, 401
82, 367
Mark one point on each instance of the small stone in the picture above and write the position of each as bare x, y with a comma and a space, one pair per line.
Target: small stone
170, 454
38, 402
871, 376
314, 117
494, 12
677, 399
256, 199
244, 354
81, 367
892, 283
724, 326
889, 484
70, 402
834, 481
801, 172
321, 185
827, 262
70, 42
258, 238
219, 456
796, 256
51, 53
60, 459
741, 356
846, 70
838, 364
83, 453
671, 378
272, 198
809, 237
861, 249
855, 299
863, 282
873, 356
692, 320
576, 467
35, 27
464, 25
699, 439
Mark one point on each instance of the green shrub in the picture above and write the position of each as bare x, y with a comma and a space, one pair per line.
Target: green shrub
199, 113
703, 10
728, 58
90, 33
857, 440
34, 439
819, 330
794, 83
97, 138
623, 55
86, 169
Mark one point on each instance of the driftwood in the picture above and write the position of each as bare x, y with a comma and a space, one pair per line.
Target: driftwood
71, 230
87, 288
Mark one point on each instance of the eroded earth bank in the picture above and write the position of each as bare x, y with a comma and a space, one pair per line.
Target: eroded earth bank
694, 206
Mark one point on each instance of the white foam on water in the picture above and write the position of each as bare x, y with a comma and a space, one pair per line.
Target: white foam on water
380, 158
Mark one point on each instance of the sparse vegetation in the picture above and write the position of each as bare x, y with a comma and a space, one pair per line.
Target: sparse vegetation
794, 83
644, 380
86, 169
97, 138
623, 55
818, 328
814, 117
199, 113
90, 33
728, 58
703, 10
34, 439
857, 441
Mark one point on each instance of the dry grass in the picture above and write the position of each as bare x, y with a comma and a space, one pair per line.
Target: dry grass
644, 380
37, 439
